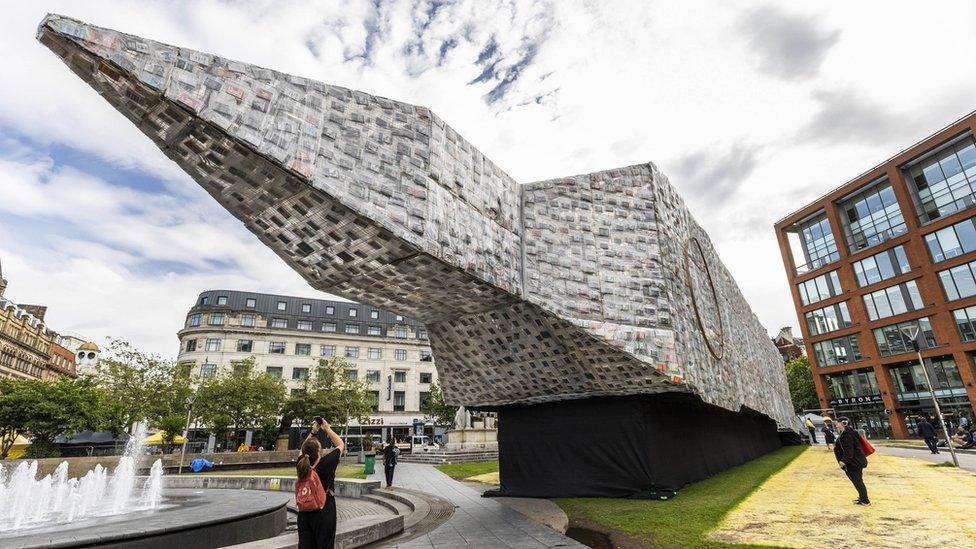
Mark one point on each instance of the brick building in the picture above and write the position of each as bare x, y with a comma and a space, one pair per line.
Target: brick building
893, 248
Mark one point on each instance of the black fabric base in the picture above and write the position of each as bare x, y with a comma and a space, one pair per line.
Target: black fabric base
624, 446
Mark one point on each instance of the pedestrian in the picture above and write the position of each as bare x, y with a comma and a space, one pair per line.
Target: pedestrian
317, 528
828, 432
813, 431
964, 422
390, 455
318, 433
850, 456
927, 432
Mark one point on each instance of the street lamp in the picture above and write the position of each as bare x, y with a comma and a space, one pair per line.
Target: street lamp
186, 431
912, 333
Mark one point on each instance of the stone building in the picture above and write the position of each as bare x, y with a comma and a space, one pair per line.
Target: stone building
86, 352
788, 345
288, 335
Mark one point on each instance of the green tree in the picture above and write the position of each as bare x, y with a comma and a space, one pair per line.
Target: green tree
435, 410
240, 398
803, 392
171, 427
45, 409
15, 403
331, 393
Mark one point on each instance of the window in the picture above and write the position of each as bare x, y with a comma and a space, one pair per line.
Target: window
247, 320
352, 352
194, 320
279, 323
327, 350
217, 319
400, 376
305, 325
400, 354
399, 318
250, 303
212, 344
374, 331
330, 309
401, 332
204, 300
353, 312
966, 323
329, 327
952, 241
872, 216
207, 371
221, 300
245, 345
853, 384
374, 314
306, 308
909, 380
374, 401
299, 373
375, 354
959, 281
274, 371
819, 247
352, 375
892, 340
426, 377
893, 300
828, 319
352, 328
282, 306
882, 266
945, 182
819, 288
399, 401
423, 400
191, 345
276, 347
373, 376
841, 350
303, 349
422, 332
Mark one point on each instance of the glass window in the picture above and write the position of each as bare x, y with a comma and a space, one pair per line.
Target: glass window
893, 300
374, 330
892, 340
966, 323
204, 300
375, 354
221, 300
299, 373
374, 314
328, 326
279, 323
426, 377
194, 320
191, 345
276, 347
207, 371
946, 181
952, 241
250, 303
303, 349
872, 216
305, 325
959, 281
373, 376
327, 350
828, 319
247, 320
217, 319
422, 332
401, 332
374, 401
400, 354
841, 350
212, 344
400, 376
306, 308
425, 355
399, 401
352, 374
282, 306
813, 290
353, 312
245, 345
352, 328
399, 318
329, 310
352, 352
853, 384
274, 371
424, 398
819, 247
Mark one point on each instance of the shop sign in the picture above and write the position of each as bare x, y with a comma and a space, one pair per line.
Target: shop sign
858, 400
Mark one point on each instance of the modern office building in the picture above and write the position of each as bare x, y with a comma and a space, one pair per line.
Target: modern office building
288, 335
891, 250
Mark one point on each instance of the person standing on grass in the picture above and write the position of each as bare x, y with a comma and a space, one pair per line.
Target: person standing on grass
927, 431
828, 432
317, 528
813, 431
850, 456
390, 453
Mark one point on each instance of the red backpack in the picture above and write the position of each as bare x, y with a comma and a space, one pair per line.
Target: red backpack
309, 493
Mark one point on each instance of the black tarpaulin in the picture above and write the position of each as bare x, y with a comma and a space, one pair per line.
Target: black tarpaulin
621, 446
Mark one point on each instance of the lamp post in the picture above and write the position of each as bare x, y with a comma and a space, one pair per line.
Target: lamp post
186, 431
912, 333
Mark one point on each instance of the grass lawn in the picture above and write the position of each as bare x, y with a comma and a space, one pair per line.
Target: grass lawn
344, 471
684, 520
461, 471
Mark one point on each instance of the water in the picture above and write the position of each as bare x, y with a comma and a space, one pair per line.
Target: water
56, 499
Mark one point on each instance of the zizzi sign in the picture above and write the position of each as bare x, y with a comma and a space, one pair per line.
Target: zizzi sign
867, 399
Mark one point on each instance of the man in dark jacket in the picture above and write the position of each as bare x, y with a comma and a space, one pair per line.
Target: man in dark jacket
927, 432
850, 457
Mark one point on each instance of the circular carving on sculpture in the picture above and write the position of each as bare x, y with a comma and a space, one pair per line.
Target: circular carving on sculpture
704, 298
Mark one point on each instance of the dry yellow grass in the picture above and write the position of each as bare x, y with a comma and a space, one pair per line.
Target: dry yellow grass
487, 478
809, 504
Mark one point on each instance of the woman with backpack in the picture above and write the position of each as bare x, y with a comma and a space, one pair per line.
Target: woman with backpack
315, 489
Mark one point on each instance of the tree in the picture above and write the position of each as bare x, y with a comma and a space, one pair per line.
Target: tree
803, 392
45, 409
435, 410
240, 398
171, 427
332, 394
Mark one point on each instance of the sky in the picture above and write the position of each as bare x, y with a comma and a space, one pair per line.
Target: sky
752, 109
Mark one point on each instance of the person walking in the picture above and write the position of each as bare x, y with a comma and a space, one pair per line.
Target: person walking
927, 432
813, 431
850, 456
828, 433
317, 528
390, 454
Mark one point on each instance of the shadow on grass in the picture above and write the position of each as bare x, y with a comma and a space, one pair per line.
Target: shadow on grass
683, 521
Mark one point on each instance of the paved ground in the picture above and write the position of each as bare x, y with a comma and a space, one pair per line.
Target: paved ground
808, 504
477, 521
966, 460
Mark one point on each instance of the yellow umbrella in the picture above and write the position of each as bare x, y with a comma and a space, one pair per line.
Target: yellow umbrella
19, 447
157, 439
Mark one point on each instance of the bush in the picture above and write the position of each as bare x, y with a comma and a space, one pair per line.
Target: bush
41, 449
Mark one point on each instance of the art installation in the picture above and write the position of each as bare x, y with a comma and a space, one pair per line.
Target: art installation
591, 312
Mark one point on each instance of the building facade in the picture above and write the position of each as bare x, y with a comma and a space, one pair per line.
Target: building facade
288, 335
85, 352
788, 345
885, 255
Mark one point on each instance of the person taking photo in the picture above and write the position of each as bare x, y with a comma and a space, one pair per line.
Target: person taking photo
315, 488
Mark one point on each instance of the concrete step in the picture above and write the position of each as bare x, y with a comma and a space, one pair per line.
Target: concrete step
437, 458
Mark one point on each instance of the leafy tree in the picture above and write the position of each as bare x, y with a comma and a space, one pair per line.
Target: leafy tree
45, 409
435, 410
15, 403
330, 393
171, 427
240, 398
803, 392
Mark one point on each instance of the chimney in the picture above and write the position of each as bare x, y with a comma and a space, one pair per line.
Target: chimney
3, 281
787, 333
